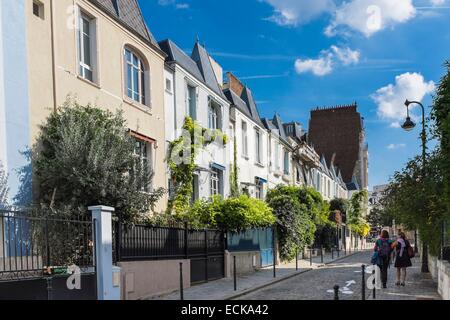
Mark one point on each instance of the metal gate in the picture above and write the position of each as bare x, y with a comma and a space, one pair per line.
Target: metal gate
38, 255
206, 251
205, 248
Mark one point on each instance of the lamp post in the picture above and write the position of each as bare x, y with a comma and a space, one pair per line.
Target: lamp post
408, 126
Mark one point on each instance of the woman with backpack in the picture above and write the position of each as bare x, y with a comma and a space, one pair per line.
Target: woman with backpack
404, 253
383, 250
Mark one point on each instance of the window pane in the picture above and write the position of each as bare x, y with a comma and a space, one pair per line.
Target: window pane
87, 50
129, 82
88, 75
142, 88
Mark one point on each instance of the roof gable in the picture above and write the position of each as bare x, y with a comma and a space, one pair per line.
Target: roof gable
128, 13
201, 57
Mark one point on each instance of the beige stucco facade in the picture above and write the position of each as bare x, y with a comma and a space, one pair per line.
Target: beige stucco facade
54, 75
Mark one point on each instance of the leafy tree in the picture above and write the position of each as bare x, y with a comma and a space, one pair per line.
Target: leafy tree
84, 156
356, 213
414, 199
295, 228
441, 116
340, 205
3, 187
378, 217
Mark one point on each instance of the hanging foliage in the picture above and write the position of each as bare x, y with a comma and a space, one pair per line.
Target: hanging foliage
181, 160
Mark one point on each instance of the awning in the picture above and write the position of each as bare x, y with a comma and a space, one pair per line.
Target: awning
261, 180
217, 166
141, 137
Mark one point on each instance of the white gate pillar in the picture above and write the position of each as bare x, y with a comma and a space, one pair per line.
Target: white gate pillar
107, 288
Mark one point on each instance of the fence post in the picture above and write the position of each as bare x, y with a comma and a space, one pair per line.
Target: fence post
206, 254
363, 288
374, 288
234, 273
181, 282
49, 288
332, 253
186, 242
102, 225
274, 253
336, 292
321, 254
310, 256
296, 259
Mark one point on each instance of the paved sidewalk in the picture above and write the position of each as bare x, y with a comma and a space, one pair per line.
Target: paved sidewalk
419, 286
223, 289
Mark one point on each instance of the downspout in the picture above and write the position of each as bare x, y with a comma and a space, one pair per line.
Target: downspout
52, 32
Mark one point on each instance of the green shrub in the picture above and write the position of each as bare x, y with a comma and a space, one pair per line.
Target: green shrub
233, 214
295, 228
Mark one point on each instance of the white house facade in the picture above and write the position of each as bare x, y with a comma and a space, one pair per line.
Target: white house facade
280, 153
251, 138
194, 89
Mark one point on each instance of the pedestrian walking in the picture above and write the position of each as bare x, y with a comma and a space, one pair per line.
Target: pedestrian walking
404, 253
382, 255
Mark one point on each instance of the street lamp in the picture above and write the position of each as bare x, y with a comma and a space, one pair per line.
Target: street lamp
408, 126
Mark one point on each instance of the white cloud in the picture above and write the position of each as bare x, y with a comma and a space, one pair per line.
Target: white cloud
296, 12
173, 3
395, 125
319, 67
394, 146
437, 2
326, 61
370, 16
391, 98
346, 55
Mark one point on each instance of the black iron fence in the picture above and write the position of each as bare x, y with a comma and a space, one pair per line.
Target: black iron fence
142, 242
35, 246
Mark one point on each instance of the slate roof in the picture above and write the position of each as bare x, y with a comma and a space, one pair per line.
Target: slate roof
245, 104
128, 13
198, 65
276, 124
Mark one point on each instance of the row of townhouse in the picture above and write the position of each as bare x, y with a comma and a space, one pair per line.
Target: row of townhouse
103, 53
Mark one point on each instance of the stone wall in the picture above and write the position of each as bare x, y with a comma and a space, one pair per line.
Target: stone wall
440, 271
145, 279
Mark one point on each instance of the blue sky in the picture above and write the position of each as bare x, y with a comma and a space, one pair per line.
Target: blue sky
299, 54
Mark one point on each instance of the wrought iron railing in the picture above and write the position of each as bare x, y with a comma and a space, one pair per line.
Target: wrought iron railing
34, 246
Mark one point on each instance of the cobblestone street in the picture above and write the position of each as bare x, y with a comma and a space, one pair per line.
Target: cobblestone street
318, 284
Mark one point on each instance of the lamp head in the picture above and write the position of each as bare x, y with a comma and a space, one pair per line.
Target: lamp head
409, 124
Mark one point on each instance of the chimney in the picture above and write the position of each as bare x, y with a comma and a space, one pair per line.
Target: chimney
235, 84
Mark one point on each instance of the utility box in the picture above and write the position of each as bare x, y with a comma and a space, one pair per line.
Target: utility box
116, 283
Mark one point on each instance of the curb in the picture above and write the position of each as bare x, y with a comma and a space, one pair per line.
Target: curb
247, 291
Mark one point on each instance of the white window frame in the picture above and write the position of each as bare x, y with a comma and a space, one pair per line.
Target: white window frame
139, 89
258, 146
82, 67
214, 116
286, 164
259, 190
215, 182
190, 88
277, 156
148, 158
244, 129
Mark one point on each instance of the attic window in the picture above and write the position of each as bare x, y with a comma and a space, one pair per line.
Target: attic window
38, 9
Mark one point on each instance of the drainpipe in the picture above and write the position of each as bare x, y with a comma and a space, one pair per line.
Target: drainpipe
52, 32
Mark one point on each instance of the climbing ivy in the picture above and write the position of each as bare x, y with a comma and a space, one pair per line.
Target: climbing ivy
234, 173
181, 161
